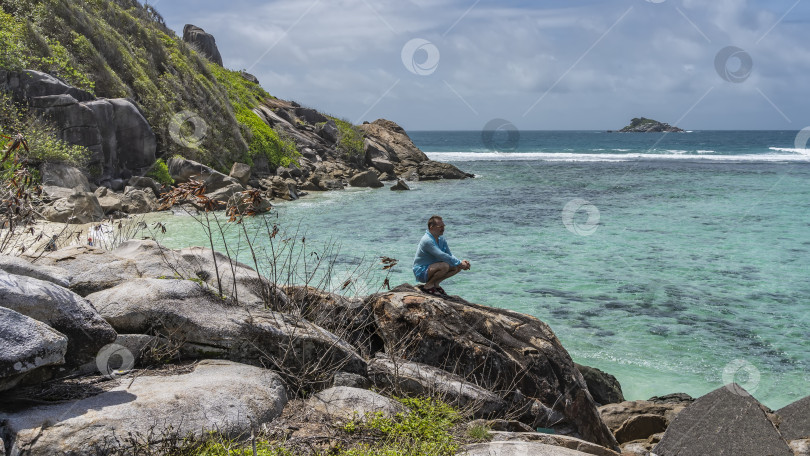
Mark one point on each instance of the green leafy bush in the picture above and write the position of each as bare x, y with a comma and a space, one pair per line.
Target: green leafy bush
350, 138
160, 173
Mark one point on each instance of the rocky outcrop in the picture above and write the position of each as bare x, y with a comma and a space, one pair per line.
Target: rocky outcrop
517, 449
61, 309
644, 125
202, 325
114, 130
80, 207
365, 179
348, 403
500, 350
64, 176
795, 420
433, 170
203, 42
604, 387
26, 344
615, 415
221, 396
21, 267
183, 170
240, 172
726, 421
559, 441
400, 186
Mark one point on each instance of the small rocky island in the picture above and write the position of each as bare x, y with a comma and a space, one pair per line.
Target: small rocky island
645, 125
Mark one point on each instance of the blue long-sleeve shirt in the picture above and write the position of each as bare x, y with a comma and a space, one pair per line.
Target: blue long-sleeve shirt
429, 251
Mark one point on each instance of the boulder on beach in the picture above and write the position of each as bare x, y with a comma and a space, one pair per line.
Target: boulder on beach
61, 309
727, 421
221, 396
604, 387
365, 179
26, 344
502, 350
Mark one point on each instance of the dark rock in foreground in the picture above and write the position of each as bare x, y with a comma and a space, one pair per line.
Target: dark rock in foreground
604, 387
795, 420
725, 422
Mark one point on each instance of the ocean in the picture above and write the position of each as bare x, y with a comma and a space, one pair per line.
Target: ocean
676, 262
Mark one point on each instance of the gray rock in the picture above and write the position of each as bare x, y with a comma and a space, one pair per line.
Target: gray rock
142, 182
80, 207
249, 77
138, 201
65, 176
502, 350
111, 202
382, 165
560, 441
206, 326
365, 179
28, 84
517, 449
795, 418
224, 194
350, 380
21, 267
433, 170
183, 170
54, 193
604, 387
240, 172
140, 346
61, 309
614, 415
727, 421
310, 116
401, 376
203, 42
217, 396
800, 447
285, 189
329, 131
347, 403
26, 344
400, 186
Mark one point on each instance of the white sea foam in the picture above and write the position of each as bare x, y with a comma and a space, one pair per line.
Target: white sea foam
787, 149
571, 157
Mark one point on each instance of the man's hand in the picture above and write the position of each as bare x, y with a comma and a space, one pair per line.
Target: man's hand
465, 265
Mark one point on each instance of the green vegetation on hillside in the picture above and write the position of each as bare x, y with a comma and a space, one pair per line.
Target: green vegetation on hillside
119, 48
350, 138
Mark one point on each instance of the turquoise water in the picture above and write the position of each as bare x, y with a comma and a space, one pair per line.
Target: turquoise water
675, 275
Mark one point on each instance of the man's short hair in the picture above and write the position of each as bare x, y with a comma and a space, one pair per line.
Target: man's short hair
434, 221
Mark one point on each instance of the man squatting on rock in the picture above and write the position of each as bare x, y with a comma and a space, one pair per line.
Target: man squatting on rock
433, 261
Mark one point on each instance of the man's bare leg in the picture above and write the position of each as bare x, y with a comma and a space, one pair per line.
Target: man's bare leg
437, 272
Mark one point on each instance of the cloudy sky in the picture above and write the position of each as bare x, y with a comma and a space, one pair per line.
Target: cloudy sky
543, 65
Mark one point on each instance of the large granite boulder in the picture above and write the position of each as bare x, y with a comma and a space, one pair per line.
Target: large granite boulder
727, 421
95, 270
65, 176
80, 207
114, 130
240, 172
414, 379
328, 131
365, 179
556, 440
26, 344
615, 415
499, 349
604, 387
389, 141
221, 396
203, 42
183, 170
61, 309
433, 170
21, 267
349, 403
795, 420
517, 448
138, 200
203, 325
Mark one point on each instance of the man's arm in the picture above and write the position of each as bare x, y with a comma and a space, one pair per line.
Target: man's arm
432, 249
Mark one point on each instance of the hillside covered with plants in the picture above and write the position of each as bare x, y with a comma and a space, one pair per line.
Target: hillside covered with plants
122, 49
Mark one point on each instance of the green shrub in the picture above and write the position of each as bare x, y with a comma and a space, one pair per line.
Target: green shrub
350, 138
160, 173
